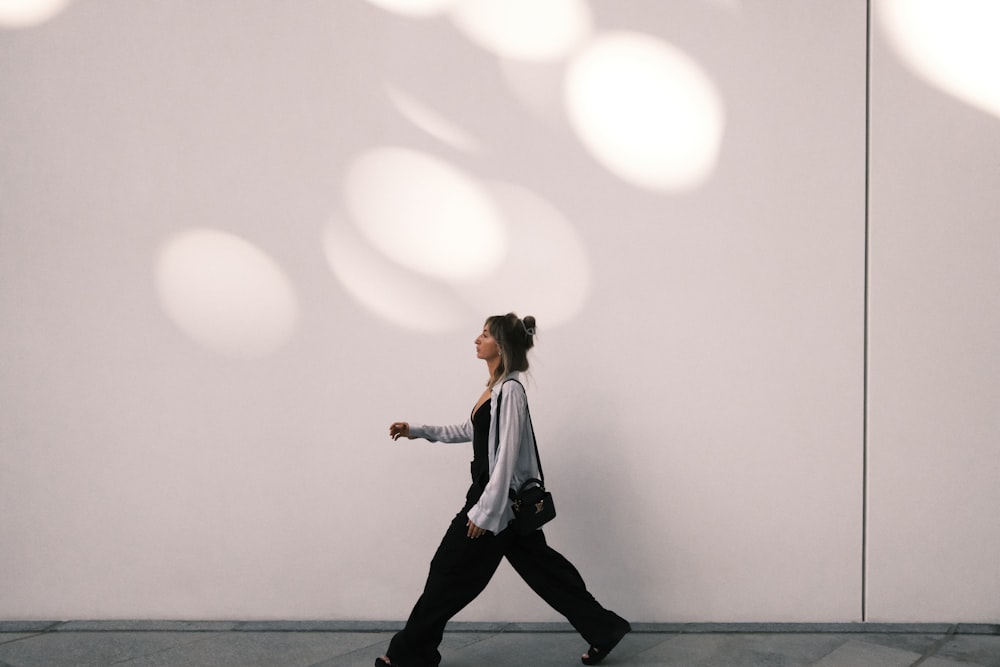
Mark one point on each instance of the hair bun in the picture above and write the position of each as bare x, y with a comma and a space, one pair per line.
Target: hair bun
529, 325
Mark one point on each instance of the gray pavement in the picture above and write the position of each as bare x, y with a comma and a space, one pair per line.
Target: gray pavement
350, 644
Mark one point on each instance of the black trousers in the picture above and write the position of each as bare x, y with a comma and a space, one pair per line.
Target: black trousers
462, 567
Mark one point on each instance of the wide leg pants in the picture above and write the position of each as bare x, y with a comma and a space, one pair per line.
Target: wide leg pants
462, 567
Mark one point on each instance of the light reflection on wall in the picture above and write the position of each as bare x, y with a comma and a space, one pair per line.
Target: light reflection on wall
28, 13
431, 122
424, 214
538, 87
414, 8
952, 45
519, 29
224, 293
386, 289
547, 270
524, 29
421, 243
425, 282
646, 111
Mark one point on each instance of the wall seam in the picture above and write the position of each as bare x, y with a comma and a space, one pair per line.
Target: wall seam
864, 370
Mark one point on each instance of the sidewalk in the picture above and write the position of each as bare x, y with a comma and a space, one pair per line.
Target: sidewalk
351, 644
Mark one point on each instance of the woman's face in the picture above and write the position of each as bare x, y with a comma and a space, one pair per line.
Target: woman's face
486, 346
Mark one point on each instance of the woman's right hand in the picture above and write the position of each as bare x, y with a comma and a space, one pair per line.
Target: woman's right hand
397, 429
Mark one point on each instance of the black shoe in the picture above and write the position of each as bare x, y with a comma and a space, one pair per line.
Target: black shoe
595, 653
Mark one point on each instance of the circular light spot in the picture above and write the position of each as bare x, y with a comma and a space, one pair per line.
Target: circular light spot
28, 13
424, 214
646, 111
386, 289
547, 271
224, 293
524, 29
413, 8
952, 45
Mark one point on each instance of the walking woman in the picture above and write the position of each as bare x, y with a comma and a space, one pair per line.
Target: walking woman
480, 535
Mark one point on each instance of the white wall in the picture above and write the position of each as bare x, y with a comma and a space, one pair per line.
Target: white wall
218, 285
934, 373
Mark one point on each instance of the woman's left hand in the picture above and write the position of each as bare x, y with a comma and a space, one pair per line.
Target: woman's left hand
475, 531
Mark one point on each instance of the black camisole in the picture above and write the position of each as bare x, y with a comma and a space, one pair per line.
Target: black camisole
480, 445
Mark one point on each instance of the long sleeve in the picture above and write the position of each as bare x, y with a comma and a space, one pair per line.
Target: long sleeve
513, 461
452, 433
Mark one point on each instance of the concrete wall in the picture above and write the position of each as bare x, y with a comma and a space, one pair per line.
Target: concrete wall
237, 239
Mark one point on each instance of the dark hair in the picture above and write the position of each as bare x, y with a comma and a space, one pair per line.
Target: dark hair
514, 336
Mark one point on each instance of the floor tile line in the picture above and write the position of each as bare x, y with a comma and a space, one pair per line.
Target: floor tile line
936, 646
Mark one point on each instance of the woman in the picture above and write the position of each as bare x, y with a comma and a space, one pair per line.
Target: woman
479, 536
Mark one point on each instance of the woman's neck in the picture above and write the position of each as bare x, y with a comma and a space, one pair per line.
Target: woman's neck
493, 365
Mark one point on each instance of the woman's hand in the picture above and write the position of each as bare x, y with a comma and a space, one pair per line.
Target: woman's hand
475, 531
397, 429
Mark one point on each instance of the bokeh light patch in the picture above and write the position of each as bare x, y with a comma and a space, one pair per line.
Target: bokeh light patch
544, 270
432, 122
29, 13
954, 46
547, 270
225, 293
386, 289
425, 214
524, 29
646, 111
413, 8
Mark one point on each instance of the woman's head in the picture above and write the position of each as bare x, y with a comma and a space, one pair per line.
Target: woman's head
514, 337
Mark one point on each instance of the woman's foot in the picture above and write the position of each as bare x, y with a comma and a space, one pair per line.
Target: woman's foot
595, 654
383, 661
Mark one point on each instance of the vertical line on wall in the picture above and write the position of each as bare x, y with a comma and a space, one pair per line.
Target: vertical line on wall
864, 369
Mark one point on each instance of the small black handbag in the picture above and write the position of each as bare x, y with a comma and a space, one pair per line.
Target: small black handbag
532, 503
533, 506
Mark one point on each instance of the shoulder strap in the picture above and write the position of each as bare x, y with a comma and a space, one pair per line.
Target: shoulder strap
530, 425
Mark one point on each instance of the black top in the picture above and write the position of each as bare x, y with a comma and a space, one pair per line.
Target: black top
480, 445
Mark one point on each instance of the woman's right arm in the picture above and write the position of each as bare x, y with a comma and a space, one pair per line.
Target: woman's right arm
453, 433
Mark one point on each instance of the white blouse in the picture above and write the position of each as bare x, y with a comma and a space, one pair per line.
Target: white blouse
511, 452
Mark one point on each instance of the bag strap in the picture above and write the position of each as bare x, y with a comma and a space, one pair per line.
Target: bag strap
534, 440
